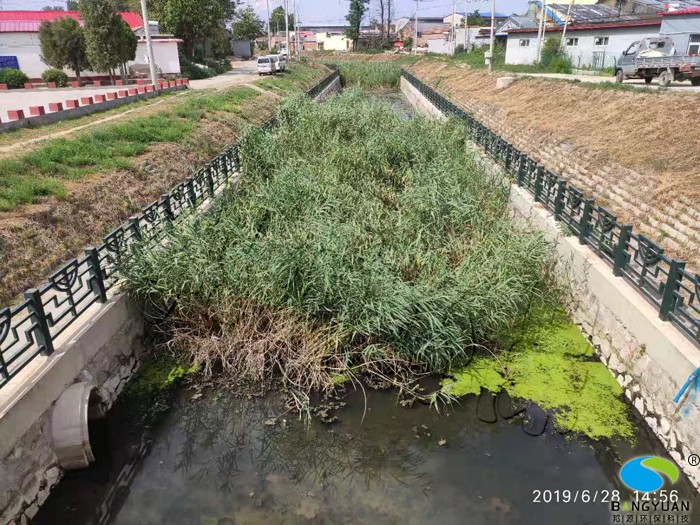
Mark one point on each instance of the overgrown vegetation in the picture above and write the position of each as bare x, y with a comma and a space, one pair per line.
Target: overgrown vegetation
368, 75
358, 244
56, 76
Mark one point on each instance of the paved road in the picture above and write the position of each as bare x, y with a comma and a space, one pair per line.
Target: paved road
24, 98
683, 87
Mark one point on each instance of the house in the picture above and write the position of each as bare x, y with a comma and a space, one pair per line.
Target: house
589, 45
20, 47
683, 27
405, 27
460, 18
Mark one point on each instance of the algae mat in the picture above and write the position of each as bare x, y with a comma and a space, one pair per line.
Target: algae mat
551, 364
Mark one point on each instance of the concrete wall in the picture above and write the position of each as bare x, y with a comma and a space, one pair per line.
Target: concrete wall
104, 347
649, 358
586, 52
27, 49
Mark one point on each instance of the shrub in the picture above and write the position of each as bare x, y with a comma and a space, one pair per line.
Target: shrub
55, 75
369, 75
195, 71
14, 78
220, 66
554, 58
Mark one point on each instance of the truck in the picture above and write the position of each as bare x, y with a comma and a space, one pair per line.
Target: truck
656, 57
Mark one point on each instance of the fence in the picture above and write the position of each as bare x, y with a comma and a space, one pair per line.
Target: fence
664, 281
30, 328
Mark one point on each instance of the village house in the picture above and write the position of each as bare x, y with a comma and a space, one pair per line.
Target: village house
20, 47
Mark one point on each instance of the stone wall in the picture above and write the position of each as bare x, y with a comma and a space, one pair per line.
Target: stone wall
650, 358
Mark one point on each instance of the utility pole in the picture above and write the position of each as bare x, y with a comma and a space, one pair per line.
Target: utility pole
544, 31
493, 33
269, 29
566, 24
294, 27
415, 30
388, 20
539, 30
454, 11
297, 36
149, 43
466, 26
286, 22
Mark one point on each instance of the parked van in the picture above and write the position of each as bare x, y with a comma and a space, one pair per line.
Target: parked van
266, 66
283, 62
275, 59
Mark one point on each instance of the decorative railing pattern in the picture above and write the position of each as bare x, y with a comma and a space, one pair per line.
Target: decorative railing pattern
664, 281
30, 328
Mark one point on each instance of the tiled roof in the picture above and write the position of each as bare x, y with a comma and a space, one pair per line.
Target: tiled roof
29, 21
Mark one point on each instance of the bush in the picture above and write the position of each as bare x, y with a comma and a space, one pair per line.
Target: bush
369, 75
220, 66
554, 59
55, 75
14, 78
196, 72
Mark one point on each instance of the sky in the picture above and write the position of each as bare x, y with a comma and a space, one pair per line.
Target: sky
317, 12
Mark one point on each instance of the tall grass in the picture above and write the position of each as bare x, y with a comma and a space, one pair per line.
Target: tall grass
357, 242
368, 75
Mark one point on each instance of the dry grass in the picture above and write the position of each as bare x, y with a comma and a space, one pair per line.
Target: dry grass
647, 131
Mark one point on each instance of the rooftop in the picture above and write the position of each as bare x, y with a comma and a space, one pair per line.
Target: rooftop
29, 21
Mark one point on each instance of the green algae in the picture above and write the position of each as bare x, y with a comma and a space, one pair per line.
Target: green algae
551, 364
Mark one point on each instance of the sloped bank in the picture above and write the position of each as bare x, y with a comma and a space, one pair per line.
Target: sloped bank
650, 359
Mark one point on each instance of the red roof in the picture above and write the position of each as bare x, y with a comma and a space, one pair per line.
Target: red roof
686, 11
29, 21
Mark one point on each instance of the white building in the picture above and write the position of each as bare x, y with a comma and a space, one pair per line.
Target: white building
593, 45
20, 47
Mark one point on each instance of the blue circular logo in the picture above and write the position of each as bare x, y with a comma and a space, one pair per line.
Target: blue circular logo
642, 474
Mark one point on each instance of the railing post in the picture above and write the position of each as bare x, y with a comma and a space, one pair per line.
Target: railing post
136, 227
165, 201
559, 199
620, 254
521, 169
539, 175
191, 194
210, 180
585, 224
509, 155
41, 332
668, 298
97, 283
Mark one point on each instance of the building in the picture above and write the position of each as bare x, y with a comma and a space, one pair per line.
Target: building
20, 47
593, 46
683, 27
405, 28
333, 41
485, 16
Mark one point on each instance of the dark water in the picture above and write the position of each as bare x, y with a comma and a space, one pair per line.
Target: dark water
220, 460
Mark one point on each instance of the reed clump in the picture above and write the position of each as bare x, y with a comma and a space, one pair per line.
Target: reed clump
357, 243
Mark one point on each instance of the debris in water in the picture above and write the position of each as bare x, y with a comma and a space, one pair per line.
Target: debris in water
442, 442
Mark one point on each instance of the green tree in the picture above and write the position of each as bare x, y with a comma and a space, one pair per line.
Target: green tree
277, 20
127, 44
195, 20
103, 34
475, 19
52, 8
72, 5
247, 25
63, 45
357, 11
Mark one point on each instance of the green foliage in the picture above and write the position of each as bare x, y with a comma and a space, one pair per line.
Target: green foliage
474, 19
72, 5
277, 21
195, 20
104, 33
14, 78
247, 25
55, 75
369, 75
194, 71
63, 45
219, 66
554, 59
408, 42
385, 234
356, 12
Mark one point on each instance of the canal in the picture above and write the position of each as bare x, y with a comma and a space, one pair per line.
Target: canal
368, 456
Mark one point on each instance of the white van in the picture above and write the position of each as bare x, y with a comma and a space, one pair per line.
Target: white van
283, 61
266, 66
275, 59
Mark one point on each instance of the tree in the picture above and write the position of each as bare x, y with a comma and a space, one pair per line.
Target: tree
247, 25
104, 34
127, 44
195, 20
475, 19
277, 20
357, 11
63, 45
72, 5
52, 8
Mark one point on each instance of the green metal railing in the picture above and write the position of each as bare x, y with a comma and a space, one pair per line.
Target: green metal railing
664, 281
29, 329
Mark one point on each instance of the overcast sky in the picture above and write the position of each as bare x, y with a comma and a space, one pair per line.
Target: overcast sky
333, 11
